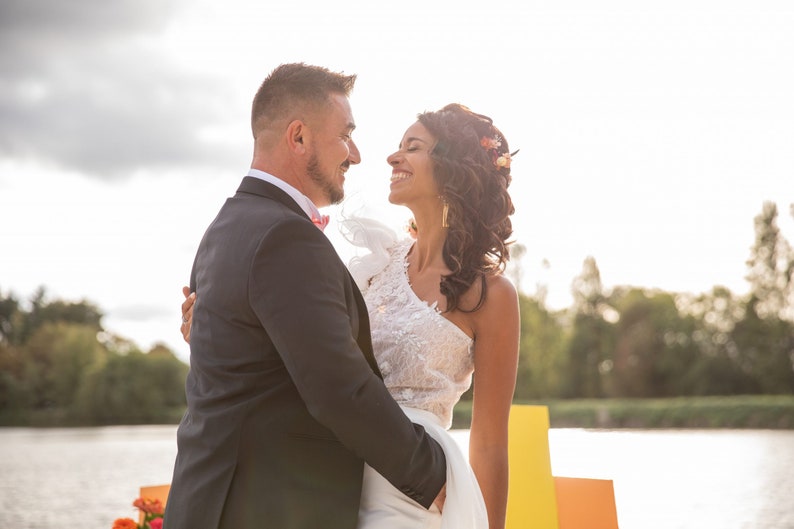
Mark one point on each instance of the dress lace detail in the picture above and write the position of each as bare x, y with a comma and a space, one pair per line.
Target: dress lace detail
426, 360
427, 363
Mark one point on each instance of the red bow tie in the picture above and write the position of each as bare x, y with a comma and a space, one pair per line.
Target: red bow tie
321, 222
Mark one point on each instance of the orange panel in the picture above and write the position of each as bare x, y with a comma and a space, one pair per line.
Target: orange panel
154, 492
585, 503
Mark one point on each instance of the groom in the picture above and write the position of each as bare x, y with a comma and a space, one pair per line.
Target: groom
285, 400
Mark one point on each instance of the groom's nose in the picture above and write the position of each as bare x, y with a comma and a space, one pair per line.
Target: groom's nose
355, 156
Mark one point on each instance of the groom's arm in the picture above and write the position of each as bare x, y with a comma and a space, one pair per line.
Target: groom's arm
299, 290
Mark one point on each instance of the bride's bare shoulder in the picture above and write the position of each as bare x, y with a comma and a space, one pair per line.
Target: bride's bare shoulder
499, 304
501, 296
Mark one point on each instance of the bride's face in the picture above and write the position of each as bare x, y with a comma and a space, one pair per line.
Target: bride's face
412, 168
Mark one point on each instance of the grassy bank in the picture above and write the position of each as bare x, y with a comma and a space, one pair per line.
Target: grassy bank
746, 411
58, 418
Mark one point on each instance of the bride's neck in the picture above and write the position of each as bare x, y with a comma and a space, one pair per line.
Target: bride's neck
429, 246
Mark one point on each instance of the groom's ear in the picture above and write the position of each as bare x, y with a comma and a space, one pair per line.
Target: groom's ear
297, 132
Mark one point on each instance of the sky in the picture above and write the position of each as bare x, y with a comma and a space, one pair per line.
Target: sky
650, 133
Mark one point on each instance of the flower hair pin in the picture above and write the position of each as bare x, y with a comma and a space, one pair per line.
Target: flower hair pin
492, 146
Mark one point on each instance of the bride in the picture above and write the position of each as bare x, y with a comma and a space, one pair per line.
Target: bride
441, 311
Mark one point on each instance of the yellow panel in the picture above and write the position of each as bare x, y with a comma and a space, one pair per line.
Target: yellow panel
531, 501
586, 503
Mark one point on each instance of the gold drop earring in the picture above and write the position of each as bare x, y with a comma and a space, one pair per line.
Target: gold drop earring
445, 214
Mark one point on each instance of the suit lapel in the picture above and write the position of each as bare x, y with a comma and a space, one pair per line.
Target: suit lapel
364, 338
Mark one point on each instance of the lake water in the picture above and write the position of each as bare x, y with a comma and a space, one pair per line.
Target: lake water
670, 479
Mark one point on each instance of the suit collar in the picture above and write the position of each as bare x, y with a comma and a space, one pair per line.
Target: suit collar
257, 186
297, 195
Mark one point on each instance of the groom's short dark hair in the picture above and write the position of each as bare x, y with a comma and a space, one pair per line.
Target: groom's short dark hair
293, 88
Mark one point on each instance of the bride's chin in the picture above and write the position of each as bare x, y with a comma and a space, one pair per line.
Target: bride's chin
394, 199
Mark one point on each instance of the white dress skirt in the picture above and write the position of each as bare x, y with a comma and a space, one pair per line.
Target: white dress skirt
384, 507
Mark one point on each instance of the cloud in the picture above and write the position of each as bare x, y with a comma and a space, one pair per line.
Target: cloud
88, 86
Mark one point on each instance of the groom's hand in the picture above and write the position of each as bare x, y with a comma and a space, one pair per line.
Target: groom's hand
441, 498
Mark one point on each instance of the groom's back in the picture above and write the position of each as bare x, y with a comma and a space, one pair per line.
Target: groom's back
250, 453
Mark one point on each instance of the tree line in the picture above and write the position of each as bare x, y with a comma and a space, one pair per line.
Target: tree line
59, 366
634, 342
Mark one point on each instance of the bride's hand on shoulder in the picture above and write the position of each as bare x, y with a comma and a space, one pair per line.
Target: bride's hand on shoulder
187, 312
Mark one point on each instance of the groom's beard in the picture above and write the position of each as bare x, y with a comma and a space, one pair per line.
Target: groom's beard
333, 191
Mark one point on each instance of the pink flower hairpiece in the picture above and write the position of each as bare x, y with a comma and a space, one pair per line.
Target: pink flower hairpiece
492, 145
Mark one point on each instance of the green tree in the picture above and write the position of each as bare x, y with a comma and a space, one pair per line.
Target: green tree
765, 336
589, 361
587, 290
766, 352
9, 314
57, 366
770, 267
541, 351
168, 376
654, 347
55, 359
14, 396
717, 370
135, 388
42, 311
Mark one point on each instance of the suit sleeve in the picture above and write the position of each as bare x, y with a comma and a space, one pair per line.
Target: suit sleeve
298, 288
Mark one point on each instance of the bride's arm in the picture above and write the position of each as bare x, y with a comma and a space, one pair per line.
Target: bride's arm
497, 327
187, 313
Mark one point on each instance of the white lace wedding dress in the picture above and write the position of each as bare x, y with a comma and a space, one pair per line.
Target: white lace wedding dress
427, 364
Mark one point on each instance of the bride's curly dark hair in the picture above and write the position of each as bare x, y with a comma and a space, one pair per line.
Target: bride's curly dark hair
474, 186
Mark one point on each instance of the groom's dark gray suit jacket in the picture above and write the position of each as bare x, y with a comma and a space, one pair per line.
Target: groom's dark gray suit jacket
285, 400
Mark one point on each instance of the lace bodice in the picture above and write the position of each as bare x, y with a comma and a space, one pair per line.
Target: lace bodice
426, 360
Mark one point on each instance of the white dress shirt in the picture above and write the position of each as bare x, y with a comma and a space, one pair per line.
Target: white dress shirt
302, 200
